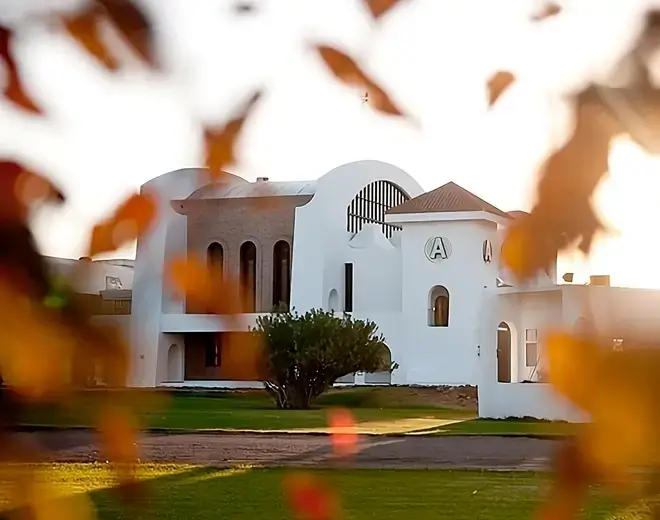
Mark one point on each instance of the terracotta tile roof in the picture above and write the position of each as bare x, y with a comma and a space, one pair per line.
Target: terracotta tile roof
447, 198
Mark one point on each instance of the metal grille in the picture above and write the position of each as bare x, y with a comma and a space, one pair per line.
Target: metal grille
371, 204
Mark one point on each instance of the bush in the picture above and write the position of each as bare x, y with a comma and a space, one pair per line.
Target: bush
306, 353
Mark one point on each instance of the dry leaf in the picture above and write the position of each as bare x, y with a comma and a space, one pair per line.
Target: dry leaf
344, 432
13, 89
21, 189
549, 10
564, 214
310, 498
497, 84
204, 288
84, 28
348, 71
220, 142
129, 222
378, 8
134, 26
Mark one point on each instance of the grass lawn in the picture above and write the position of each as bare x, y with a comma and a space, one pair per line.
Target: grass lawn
187, 492
252, 410
378, 410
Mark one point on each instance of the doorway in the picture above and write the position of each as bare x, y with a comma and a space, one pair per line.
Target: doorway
503, 353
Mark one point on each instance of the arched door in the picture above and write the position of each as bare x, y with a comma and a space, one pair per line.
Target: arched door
175, 364
503, 353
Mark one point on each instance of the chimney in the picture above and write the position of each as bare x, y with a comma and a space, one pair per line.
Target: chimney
262, 179
602, 280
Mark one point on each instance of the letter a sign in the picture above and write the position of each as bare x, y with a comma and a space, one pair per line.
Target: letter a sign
437, 248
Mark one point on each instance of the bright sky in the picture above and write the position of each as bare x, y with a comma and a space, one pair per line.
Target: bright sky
109, 134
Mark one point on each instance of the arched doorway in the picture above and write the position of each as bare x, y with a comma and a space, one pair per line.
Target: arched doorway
174, 364
381, 378
503, 353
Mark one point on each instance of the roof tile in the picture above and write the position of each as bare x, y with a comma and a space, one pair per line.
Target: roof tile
449, 197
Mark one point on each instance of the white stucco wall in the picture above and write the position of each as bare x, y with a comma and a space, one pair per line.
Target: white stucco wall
151, 297
320, 240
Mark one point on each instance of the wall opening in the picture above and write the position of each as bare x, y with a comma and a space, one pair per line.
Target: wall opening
503, 353
381, 378
348, 287
333, 301
281, 275
175, 364
438, 307
248, 274
371, 204
215, 258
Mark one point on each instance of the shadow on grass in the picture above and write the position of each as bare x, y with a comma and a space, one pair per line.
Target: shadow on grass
210, 493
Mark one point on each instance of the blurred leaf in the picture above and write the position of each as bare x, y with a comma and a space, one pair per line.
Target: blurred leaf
40, 371
619, 392
378, 8
204, 288
220, 142
564, 214
348, 71
118, 431
497, 84
129, 222
134, 25
311, 498
13, 89
20, 189
343, 431
83, 27
548, 11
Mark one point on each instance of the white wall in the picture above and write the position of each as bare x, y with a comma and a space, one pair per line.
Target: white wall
445, 355
151, 297
320, 240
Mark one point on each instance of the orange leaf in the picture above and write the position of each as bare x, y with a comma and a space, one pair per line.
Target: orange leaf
343, 431
14, 90
379, 7
203, 288
129, 222
84, 28
564, 214
549, 10
497, 84
133, 24
310, 498
348, 71
220, 142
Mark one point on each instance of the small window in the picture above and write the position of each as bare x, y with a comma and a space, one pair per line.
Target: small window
531, 347
439, 307
348, 287
211, 353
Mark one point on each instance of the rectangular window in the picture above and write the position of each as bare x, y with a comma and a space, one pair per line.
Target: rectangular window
348, 287
211, 353
531, 347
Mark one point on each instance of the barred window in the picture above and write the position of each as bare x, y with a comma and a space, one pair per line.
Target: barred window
371, 204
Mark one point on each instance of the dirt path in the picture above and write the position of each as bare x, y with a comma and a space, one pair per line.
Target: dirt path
304, 450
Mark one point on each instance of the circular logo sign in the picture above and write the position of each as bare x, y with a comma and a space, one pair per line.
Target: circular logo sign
437, 248
487, 251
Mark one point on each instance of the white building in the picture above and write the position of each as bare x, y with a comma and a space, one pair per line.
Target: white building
366, 239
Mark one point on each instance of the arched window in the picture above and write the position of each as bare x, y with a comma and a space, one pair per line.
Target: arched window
370, 205
248, 261
281, 274
439, 307
215, 257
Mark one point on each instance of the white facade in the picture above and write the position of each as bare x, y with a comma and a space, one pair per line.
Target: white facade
447, 243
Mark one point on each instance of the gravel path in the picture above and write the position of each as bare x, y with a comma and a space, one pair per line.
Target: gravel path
505, 453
